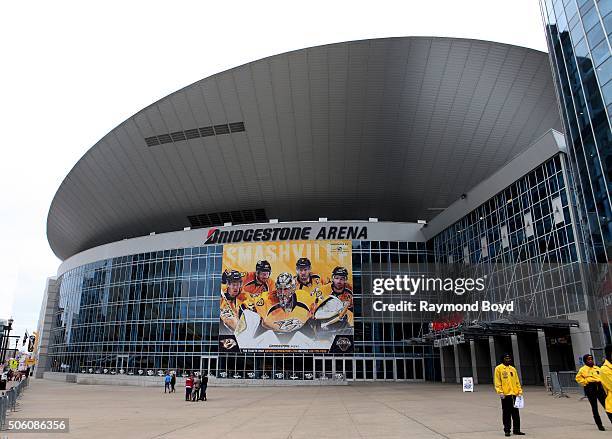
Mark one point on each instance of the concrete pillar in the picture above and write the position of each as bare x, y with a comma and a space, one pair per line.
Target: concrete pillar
516, 355
493, 353
473, 360
45, 324
543, 354
586, 336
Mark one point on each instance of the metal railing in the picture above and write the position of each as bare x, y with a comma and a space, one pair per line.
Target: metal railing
563, 383
8, 401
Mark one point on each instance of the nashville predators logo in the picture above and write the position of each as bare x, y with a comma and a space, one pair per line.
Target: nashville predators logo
289, 325
343, 343
228, 343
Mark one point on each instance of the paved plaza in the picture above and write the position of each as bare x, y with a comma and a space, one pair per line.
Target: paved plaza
361, 410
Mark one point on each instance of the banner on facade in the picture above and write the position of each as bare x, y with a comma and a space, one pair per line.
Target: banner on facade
292, 296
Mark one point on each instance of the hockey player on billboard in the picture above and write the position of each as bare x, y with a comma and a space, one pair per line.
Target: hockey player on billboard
258, 281
305, 279
298, 313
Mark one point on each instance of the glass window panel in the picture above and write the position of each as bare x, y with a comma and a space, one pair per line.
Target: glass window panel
595, 35
590, 19
600, 53
607, 92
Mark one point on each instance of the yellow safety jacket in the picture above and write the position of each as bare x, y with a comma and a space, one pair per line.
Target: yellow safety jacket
605, 375
587, 375
506, 381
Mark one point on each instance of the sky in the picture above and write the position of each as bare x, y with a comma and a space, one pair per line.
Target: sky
74, 70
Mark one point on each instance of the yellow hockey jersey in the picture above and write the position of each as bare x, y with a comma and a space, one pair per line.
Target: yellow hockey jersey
275, 317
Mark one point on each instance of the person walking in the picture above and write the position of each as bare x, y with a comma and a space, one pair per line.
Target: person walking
172, 382
508, 387
605, 375
195, 394
188, 387
203, 387
589, 377
167, 380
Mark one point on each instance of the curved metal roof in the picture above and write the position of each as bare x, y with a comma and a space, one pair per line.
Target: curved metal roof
390, 128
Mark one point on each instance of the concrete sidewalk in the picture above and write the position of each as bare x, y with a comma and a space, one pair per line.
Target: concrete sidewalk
361, 410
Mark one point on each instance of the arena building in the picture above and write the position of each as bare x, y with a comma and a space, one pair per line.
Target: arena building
343, 163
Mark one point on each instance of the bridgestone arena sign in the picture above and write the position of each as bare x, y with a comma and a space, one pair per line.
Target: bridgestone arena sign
218, 236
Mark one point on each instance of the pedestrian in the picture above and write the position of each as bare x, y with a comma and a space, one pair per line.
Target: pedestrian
167, 380
203, 387
605, 375
173, 382
508, 387
589, 377
188, 387
195, 394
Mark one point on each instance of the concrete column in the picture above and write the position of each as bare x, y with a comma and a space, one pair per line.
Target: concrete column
586, 336
45, 324
473, 359
516, 355
543, 353
493, 353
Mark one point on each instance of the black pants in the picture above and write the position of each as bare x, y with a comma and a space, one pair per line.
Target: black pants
203, 393
510, 415
595, 392
195, 394
187, 393
167, 388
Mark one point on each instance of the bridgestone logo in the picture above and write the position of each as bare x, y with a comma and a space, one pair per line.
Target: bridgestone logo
217, 236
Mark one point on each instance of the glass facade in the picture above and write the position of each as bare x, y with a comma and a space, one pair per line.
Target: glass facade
160, 310
524, 240
578, 35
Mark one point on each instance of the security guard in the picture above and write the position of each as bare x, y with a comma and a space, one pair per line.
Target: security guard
605, 375
589, 377
508, 387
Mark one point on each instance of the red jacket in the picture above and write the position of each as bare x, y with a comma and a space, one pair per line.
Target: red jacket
189, 382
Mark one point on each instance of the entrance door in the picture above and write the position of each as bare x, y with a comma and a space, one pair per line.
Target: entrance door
359, 369
208, 363
319, 367
369, 369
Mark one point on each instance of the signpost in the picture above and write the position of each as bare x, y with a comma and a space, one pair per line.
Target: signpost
468, 384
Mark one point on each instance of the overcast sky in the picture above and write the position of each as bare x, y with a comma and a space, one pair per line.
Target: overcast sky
72, 71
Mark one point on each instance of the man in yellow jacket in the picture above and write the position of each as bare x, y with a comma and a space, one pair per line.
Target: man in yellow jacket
589, 377
508, 387
605, 375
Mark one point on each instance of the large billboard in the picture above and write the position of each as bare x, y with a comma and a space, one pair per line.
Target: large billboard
290, 296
